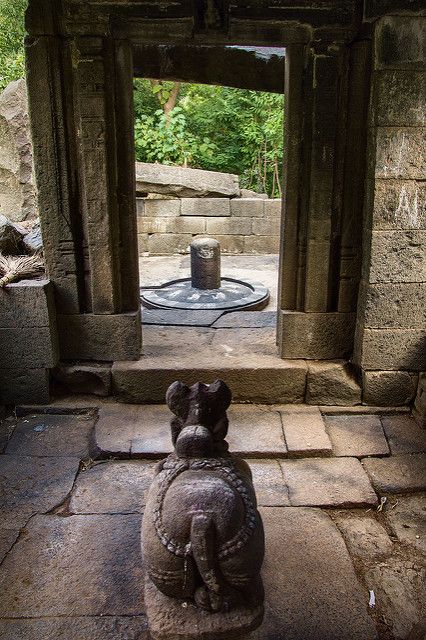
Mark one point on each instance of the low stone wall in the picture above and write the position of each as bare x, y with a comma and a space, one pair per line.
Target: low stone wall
241, 225
28, 341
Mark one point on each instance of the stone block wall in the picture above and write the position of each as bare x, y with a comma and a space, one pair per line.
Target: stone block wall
28, 341
241, 225
390, 341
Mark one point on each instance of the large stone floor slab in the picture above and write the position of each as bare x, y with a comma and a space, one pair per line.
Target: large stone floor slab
32, 485
312, 592
268, 480
74, 566
78, 628
404, 434
304, 431
397, 474
112, 487
407, 517
255, 431
51, 435
327, 482
357, 435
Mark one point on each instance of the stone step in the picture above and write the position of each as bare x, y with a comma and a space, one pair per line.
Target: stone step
261, 431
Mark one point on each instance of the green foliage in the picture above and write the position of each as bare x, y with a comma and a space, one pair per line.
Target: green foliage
12, 33
215, 128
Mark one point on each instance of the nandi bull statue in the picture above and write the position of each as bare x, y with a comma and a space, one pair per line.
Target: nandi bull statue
202, 535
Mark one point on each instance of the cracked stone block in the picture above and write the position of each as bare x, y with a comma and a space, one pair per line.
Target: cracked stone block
271, 490
255, 431
7, 539
365, 538
112, 487
357, 435
33, 485
304, 432
74, 566
407, 517
404, 434
388, 388
76, 628
84, 378
332, 383
327, 482
311, 588
52, 435
397, 474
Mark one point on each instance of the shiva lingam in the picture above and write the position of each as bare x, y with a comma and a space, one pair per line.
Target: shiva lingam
206, 289
202, 535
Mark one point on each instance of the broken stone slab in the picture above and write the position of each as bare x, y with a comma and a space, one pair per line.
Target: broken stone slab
365, 538
404, 434
269, 485
52, 436
17, 186
33, 240
327, 482
32, 485
304, 431
112, 487
180, 317
357, 435
397, 474
407, 517
184, 182
83, 378
10, 237
7, 539
311, 587
332, 383
388, 388
244, 319
74, 566
76, 628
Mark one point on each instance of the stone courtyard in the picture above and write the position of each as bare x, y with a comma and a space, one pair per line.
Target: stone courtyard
341, 492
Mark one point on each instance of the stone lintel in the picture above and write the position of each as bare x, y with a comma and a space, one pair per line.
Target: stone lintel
100, 337
316, 336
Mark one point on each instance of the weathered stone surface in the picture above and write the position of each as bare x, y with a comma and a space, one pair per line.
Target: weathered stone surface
43, 352
256, 340
399, 204
255, 431
357, 436
365, 538
182, 317
209, 207
327, 482
76, 628
271, 490
23, 386
230, 244
33, 240
10, 237
7, 539
397, 474
400, 42
152, 435
399, 306
52, 435
400, 98
392, 349
304, 431
332, 383
261, 244
404, 434
388, 388
266, 226
27, 303
33, 485
7, 425
398, 256
60, 568
186, 183
161, 208
165, 243
272, 208
17, 188
399, 153
317, 336
407, 517
419, 409
231, 226
249, 194
112, 487
115, 428
160, 340
88, 336
84, 378
143, 244
247, 207
180, 224
251, 376
337, 605
242, 319
399, 587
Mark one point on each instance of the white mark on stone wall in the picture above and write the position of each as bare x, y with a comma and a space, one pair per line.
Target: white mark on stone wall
407, 212
400, 152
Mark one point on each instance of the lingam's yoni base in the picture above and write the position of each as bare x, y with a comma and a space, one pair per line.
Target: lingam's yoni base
202, 535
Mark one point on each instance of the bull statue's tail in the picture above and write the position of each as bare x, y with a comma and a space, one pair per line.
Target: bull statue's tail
203, 545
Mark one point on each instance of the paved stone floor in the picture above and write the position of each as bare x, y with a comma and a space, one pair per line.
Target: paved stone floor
342, 494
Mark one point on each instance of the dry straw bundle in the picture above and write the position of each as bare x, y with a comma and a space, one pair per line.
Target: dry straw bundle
14, 268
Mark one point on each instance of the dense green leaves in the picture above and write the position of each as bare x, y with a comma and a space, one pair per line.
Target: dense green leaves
12, 33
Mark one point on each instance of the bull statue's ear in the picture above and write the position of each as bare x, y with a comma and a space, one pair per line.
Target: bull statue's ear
221, 392
177, 399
